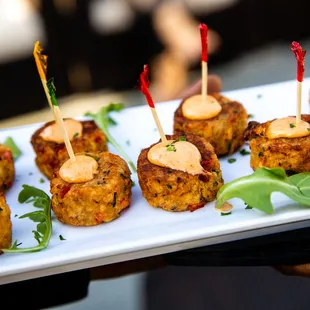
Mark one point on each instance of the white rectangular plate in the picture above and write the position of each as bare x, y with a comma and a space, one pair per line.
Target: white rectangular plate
142, 230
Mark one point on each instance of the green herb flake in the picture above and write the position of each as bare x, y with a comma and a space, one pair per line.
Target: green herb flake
16, 152
182, 138
114, 199
308, 129
244, 152
42, 180
133, 183
250, 115
61, 238
225, 213
171, 147
235, 111
292, 125
232, 160
76, 135
16, 215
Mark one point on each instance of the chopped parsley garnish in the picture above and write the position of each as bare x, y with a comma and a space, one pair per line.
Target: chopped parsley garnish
76, 135
133, 183
292, 125
171, 147
244, 152
61, 238
42, 180
231, 160
250, 115
224, 214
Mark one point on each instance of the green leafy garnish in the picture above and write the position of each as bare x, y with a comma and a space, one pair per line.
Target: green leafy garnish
292, 125
256, 189
52, 91
76, 135
171, 147
225, 213
61, 238
231, 160
42, 180
16, 152
104, 120
244, 152
43, 232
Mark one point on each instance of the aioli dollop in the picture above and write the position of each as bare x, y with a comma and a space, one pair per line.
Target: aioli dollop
178, 155
52, 132
287, 128
81, 170
198, 108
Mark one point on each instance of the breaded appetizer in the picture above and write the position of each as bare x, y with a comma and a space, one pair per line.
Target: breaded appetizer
5, 224
48, 143
92, 190
183, 175
7, 168
219, 120
280, 143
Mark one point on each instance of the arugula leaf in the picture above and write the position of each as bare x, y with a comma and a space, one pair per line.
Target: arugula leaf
104, 120
16, 152
43, 230
256, 189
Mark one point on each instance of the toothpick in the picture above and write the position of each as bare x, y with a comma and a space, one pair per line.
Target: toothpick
204, 60
300, 55
41, 63
51, 88
144, 84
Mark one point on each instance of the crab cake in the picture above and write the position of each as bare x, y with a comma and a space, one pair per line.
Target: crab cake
224, 131
97, 201
291, 154
176, 190
85, 136
7, 168
5, 224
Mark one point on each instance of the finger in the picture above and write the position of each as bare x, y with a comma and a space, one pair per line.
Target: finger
297, 270
214, 85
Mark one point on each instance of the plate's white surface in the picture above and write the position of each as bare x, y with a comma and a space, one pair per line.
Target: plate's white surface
143, 230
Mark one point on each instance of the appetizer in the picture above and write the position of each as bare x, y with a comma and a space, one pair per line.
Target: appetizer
50, 149
5, 224
93, 189
7, 168
219, 120
182, 175
280, 143
283, 142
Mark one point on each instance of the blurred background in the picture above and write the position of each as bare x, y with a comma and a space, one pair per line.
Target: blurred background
97, 49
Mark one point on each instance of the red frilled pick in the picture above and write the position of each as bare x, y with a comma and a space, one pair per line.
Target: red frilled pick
144, 84
204, 42
300, 55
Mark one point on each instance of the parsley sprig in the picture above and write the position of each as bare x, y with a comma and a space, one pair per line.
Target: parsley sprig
104, 121
171, 146
256, 189
43, 232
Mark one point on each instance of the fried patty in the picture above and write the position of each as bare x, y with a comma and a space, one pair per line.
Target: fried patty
97, 201
5, 224
50, 154
224, 132
174, 190
291, 154
7, 168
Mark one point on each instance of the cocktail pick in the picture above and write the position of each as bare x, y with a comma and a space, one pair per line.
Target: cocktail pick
144, 83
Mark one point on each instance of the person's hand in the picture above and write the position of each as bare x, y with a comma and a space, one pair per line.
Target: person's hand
297, 270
